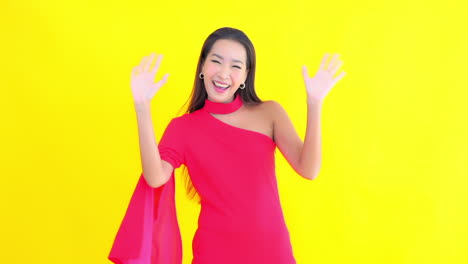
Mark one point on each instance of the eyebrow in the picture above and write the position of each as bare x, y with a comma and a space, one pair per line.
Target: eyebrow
221, 57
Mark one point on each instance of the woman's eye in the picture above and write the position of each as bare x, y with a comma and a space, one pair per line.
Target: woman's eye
238, 67
215, 61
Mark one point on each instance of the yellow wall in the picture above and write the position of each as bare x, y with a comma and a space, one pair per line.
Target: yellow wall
394, 178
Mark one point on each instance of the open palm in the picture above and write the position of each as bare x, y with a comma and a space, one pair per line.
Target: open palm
319, 86
142, 80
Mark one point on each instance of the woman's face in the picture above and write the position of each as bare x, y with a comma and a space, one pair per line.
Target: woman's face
224, 70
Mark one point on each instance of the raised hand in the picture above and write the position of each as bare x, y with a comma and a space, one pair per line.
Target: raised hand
142, 80
320, 85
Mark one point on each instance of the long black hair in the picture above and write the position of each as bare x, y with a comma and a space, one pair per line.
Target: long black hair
198, 95
248, 95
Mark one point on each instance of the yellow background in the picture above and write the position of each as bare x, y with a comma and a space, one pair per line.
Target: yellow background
393, 185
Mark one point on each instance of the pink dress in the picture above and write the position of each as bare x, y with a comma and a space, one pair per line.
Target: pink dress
233, 170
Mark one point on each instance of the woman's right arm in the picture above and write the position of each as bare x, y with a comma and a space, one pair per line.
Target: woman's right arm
156, 171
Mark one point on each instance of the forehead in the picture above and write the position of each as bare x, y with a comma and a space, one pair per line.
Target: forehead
229, 49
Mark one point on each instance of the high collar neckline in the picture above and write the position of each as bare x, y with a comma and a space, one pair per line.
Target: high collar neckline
223, 108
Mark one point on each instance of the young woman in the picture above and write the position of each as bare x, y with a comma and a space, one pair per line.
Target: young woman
227, 140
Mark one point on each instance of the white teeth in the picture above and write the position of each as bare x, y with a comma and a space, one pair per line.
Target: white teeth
221, 85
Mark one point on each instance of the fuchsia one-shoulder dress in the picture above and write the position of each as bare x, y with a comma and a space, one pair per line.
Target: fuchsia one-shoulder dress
233, 170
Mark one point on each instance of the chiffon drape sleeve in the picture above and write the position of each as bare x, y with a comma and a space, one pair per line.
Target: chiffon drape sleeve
149, 232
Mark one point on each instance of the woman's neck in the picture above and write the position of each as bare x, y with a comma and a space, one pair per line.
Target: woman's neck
223, 108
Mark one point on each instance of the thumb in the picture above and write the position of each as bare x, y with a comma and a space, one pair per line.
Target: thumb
164, 79
155, 87
305, 73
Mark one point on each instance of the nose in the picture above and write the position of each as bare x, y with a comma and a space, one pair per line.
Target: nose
224, 72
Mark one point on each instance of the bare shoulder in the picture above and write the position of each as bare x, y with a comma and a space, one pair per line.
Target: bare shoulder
269, 108
276, 113
272, 108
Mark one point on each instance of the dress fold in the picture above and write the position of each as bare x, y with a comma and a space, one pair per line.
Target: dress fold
149, 232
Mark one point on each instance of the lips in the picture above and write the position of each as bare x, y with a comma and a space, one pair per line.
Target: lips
220, 85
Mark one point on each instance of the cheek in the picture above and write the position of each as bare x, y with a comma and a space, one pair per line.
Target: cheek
237, 75
209, 69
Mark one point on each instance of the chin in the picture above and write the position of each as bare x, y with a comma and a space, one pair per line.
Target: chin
220, 98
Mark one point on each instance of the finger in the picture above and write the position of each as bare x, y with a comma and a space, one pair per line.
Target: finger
333, 61
135, 71
138, 69
339, 77
156, 65
324, 61
143, 63
336, 67
158, 85
305, 73
164, 79
148, 62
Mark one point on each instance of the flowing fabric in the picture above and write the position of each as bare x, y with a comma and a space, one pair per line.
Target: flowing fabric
149, 232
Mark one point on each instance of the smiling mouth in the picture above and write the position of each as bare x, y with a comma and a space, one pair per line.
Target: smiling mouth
221, 86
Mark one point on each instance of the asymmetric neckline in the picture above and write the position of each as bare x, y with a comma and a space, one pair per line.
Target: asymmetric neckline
223, 108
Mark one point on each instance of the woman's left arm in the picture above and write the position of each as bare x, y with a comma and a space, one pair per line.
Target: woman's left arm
306, 158
311, 155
